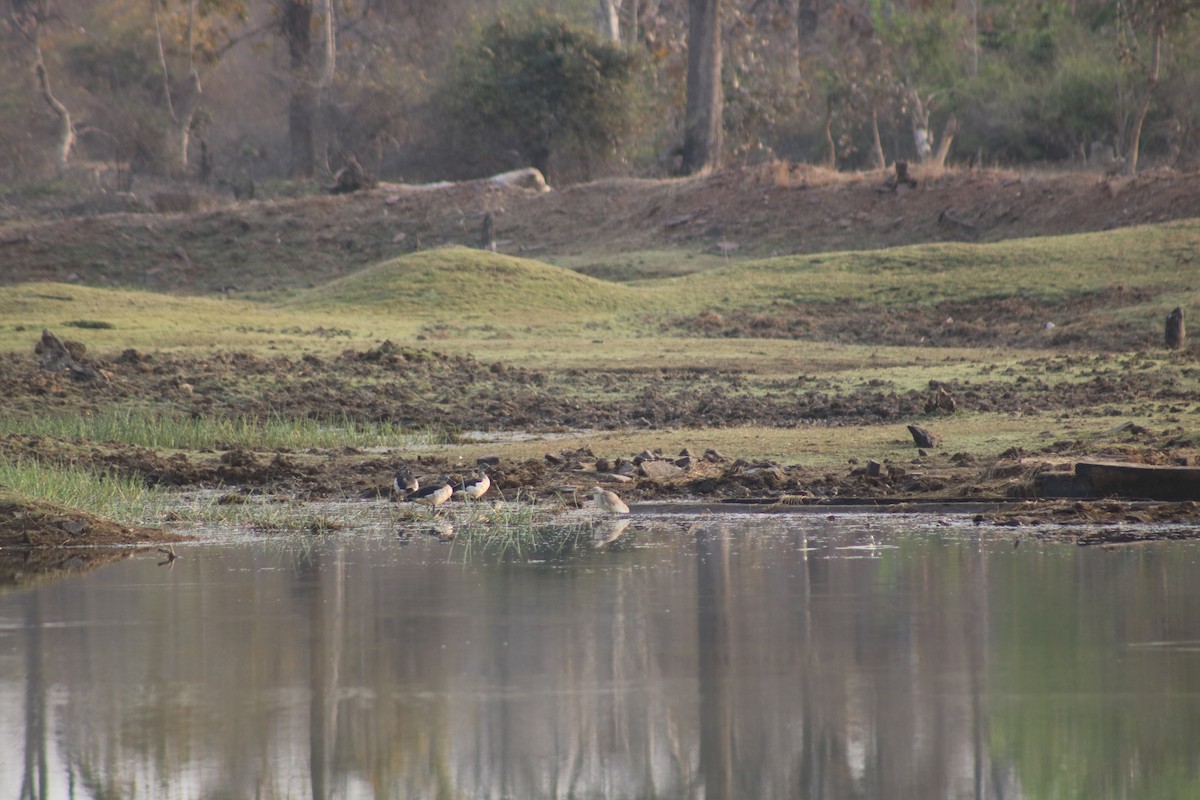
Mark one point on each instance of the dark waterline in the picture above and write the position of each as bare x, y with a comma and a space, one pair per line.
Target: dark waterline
738, 659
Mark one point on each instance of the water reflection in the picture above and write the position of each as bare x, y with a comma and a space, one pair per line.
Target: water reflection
725, 662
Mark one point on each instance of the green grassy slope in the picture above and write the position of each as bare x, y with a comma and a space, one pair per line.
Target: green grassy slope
482, 294
1154, 257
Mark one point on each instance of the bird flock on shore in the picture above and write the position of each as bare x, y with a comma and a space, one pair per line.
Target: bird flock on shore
474, 487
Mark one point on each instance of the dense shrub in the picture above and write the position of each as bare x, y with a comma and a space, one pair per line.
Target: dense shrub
538, 93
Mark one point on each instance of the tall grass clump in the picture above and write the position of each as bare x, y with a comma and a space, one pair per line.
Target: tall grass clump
516, 531
144, 428
116, 497
265, 515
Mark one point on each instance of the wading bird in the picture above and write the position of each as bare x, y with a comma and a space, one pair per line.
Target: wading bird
474, 487
608, 501
405, 482
432, 496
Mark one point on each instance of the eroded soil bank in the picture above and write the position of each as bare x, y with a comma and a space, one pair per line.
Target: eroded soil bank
405, 386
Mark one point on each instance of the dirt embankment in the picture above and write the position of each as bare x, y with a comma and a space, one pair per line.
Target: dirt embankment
401, 385
778, 209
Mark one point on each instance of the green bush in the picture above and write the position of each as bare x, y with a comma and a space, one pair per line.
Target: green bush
530, 93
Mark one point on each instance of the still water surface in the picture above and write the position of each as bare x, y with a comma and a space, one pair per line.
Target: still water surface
730, 659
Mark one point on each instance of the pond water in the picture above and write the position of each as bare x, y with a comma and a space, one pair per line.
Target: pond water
730, 658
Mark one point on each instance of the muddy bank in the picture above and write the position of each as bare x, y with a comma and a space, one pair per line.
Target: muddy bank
40, 540
426, 390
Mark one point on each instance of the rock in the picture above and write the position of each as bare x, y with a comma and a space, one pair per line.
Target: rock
687, 463
922, 437
625, 468
874, 468
660, 470
603, 465
645, 455
553, 460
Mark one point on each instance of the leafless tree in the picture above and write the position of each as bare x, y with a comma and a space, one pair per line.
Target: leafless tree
31, 17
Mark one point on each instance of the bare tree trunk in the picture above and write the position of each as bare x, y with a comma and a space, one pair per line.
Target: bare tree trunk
66, 136
703, 118
1158, 33
297, 31
608, 20
197, 90
943, 148
181, 119
877, 142
830, 144
162, 61
329, 68
920, 126
326, 134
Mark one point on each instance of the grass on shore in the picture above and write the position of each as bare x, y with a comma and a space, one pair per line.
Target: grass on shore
457, 292
121, 498
143, 428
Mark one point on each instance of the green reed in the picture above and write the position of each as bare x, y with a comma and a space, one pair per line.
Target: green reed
148, 428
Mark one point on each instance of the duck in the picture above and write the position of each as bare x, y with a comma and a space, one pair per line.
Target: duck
432, 496
474, 487
608, 501
405, 483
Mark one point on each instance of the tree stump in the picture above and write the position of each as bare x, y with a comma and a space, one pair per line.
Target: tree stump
351, 178
487, 233
1175, 335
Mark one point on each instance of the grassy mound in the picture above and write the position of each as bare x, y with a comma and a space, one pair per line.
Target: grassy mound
463, 281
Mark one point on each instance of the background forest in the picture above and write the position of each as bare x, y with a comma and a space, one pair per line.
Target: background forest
235, 90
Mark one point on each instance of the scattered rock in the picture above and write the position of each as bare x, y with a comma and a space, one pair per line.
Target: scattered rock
660, 470
922, 437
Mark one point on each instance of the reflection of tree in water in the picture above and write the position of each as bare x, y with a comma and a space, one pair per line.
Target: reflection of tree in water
714, 653
722, 664
34, 783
